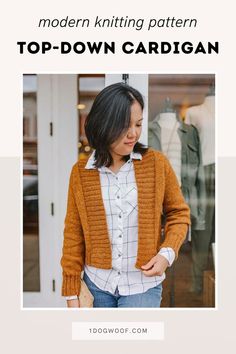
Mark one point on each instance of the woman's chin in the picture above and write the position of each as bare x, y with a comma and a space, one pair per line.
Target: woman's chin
129, 149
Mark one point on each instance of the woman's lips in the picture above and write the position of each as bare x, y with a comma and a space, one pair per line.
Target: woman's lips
130, 144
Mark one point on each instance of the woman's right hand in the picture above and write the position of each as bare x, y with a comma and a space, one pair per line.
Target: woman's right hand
73, 303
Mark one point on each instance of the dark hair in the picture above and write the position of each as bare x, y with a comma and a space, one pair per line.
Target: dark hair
108, 118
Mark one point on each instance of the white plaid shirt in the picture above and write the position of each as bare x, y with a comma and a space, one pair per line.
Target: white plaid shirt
119, 192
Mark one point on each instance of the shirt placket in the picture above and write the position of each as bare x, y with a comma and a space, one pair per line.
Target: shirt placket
118, 233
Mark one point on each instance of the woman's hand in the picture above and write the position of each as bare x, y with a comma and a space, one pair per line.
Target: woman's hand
156, 266
73, 303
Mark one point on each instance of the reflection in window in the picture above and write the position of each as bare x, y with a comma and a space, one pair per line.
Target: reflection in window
31, 281
89, 85
182, 126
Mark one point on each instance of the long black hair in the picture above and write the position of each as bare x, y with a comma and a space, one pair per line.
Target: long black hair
109, 118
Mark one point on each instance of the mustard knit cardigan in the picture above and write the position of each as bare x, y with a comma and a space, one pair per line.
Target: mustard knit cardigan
86, 238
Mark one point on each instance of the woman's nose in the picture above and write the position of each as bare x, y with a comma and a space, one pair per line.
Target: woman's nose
131, 132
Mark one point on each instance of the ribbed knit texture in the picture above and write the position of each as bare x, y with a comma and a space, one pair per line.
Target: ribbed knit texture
86, 236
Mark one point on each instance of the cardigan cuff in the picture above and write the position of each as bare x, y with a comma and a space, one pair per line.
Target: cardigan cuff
175, 239
71, 285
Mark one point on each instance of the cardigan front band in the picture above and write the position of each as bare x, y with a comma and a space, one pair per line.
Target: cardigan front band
86, 238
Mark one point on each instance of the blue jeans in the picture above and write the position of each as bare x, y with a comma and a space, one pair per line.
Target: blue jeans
151, 298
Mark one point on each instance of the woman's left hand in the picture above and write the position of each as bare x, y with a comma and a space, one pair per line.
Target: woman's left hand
156, 266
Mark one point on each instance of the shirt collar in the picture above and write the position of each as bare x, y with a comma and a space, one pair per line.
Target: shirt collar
91, 160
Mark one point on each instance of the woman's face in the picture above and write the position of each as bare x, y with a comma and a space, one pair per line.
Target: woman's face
124, 144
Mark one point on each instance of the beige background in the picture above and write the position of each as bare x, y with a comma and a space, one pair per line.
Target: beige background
187, 330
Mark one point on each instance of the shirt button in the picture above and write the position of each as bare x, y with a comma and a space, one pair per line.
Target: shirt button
119, 255
118, 197
119, 272
120, 236
116, 177
119, 215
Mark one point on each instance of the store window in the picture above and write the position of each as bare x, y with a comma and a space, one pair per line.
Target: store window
31, 280
182, 126
89, 85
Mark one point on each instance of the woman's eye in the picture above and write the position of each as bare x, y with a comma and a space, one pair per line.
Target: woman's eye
139, 125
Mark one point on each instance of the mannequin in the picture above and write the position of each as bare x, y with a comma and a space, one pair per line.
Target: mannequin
203, 118
183, 140
170, 140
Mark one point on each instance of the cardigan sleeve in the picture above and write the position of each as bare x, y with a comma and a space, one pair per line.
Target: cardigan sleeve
73, 251
176, 211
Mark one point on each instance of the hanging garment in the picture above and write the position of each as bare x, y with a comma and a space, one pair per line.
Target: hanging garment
192, 172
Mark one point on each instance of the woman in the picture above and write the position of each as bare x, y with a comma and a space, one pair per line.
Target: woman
116, 199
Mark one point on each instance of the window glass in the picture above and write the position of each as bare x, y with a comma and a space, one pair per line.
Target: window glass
182, 125
89, 85
31, 278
